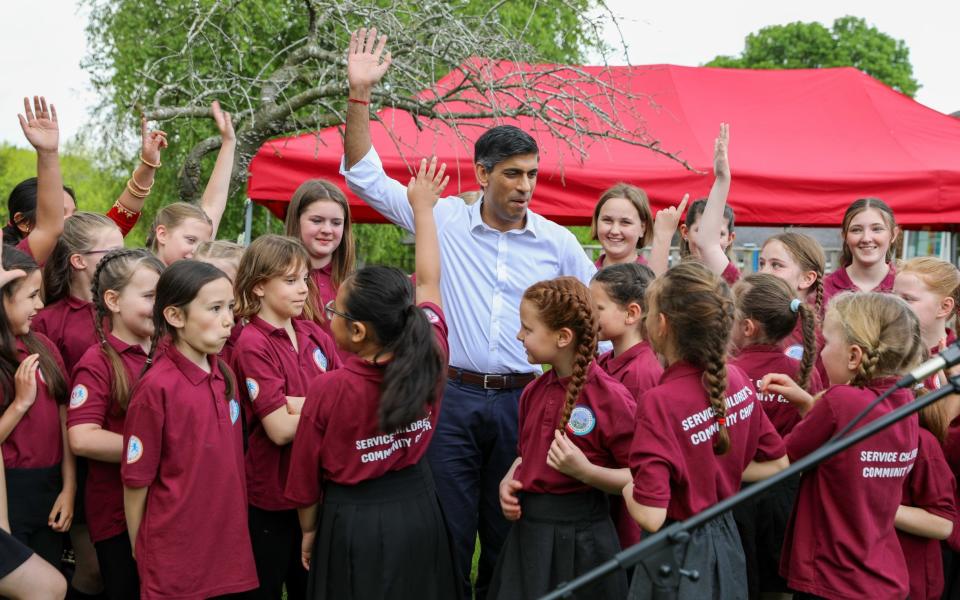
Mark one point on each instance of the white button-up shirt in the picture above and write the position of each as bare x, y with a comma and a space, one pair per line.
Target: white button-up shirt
484, 271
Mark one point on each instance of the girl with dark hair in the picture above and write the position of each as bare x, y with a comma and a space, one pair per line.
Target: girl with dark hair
276, 357
766, 312
124, 287
871, 240
319, 216
698, 434
623, 224
575, 428
182, 467
841, 541
365, 429
38, 238
40, 469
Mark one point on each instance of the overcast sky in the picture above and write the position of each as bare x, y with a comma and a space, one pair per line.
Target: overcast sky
43, 43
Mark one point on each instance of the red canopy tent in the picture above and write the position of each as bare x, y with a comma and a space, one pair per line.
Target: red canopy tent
804, 144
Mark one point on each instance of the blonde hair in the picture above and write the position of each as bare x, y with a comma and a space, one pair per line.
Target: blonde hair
638, 198
267, 257
315, 190
940, 277
699, 311
172, 216
885, 329
222, 249
80, 233
809, 256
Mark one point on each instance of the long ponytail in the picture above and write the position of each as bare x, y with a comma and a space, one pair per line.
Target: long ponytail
383, 299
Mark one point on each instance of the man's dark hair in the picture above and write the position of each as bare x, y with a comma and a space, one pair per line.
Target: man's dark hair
500, 143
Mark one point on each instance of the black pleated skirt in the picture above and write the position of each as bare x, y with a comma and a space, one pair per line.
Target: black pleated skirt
31, 494
715, 552
558, 538
12, 553
762, 525
383, 538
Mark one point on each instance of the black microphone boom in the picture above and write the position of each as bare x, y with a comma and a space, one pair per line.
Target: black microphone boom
655, 552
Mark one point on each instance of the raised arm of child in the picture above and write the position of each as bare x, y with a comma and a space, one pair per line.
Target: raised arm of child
214, 200
664, 226
125, 212
41, 129
707, 238
423, 191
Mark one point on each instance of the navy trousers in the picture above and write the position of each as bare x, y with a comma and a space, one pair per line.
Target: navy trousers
473, 447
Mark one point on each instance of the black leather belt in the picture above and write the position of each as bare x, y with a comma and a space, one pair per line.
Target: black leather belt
490, 381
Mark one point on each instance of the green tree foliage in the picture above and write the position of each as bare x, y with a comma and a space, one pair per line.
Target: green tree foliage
96, 188
849, 42
277, 65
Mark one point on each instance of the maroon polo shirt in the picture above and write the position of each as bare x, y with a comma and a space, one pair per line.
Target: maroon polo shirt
272, 369
183, 438
601, 425
339, 438
731, 274
951, 451
930, 486
599, 262
24, 246
37, 440
760, 360
840, 542
839, 281
672, 458
226, 353
92, 402
637, 368
70, 324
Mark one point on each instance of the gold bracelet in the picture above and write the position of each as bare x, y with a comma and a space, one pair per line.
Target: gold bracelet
149, 164
140, 188
135, 193
123, 210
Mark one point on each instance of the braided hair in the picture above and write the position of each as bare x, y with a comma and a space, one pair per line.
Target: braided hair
769, 301
699, 310
885, 329
565, 302
809, 256
114, 272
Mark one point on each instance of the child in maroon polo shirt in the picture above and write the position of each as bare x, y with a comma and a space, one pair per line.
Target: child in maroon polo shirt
870, 235
365, 428
699, 433
182, 471
123, 290
841, 541
618, 296
40, 470
276, 357
574, 438
767, 312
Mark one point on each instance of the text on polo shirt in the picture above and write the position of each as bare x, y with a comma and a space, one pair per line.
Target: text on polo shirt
707, 415
875, 456
769, 397
392, 441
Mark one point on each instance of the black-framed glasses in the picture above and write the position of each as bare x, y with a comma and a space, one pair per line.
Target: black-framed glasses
329, 311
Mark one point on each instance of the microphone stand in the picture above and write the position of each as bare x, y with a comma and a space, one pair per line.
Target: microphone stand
655, 553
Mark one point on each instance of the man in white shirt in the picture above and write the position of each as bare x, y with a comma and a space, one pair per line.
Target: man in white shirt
491, 252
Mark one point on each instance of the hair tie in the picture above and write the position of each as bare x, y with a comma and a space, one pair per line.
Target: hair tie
795, 305
722, 421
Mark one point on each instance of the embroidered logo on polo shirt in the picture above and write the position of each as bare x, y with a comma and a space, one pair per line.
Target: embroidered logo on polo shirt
795, 351
320, 359
234, 411
433, 317
253, 388
78, 396
582, 421
134, 449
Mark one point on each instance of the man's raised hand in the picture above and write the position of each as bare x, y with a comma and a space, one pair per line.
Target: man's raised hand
366, 61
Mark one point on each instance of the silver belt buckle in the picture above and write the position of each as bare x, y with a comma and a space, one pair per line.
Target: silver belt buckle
486, 384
